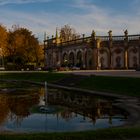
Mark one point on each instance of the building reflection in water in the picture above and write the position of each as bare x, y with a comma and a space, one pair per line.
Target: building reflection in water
89, 106
17, 106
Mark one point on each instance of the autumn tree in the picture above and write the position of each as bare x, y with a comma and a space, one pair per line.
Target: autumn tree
3, 40
23, 46
68, 33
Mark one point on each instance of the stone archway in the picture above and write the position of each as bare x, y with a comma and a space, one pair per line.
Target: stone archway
79, 62
86, 61
102, 61
133, 59
118, 58
118, 62
90, 59
65, 59
49, 60
103, 58
71, 59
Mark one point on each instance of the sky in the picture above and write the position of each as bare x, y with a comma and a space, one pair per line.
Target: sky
41, 16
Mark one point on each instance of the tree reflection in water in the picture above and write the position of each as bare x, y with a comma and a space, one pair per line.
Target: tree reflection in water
4, 109
19, 105
16, 107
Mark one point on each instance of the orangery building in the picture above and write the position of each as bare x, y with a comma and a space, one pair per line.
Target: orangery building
93, 52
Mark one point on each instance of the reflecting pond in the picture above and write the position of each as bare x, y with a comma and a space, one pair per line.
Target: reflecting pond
70, 111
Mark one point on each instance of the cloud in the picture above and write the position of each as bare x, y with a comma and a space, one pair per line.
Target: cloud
89, 17
5, 2
102, 20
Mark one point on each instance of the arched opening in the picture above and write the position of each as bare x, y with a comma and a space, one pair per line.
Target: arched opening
49, 60
86, 64
118, 62
133, 57
118, 59
135, 62
104, 58
65, 60
90, 59
102, 61
71, 59
79, 59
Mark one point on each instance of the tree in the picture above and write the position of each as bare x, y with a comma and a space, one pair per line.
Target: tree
68, 33
3, 40
23, 46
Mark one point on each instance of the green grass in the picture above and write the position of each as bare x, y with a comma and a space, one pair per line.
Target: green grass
35, 76
103, 134
118, 85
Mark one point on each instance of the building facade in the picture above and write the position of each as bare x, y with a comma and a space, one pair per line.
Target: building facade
94, 52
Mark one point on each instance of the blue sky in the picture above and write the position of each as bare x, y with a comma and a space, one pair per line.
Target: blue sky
41, 16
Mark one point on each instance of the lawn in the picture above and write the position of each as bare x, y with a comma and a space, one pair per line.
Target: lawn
119, 85
34, 76
102, 134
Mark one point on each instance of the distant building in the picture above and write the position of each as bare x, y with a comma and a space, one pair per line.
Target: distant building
94, 52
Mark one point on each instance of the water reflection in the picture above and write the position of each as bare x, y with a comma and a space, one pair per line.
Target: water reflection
16, 108
86, 105
73, 111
